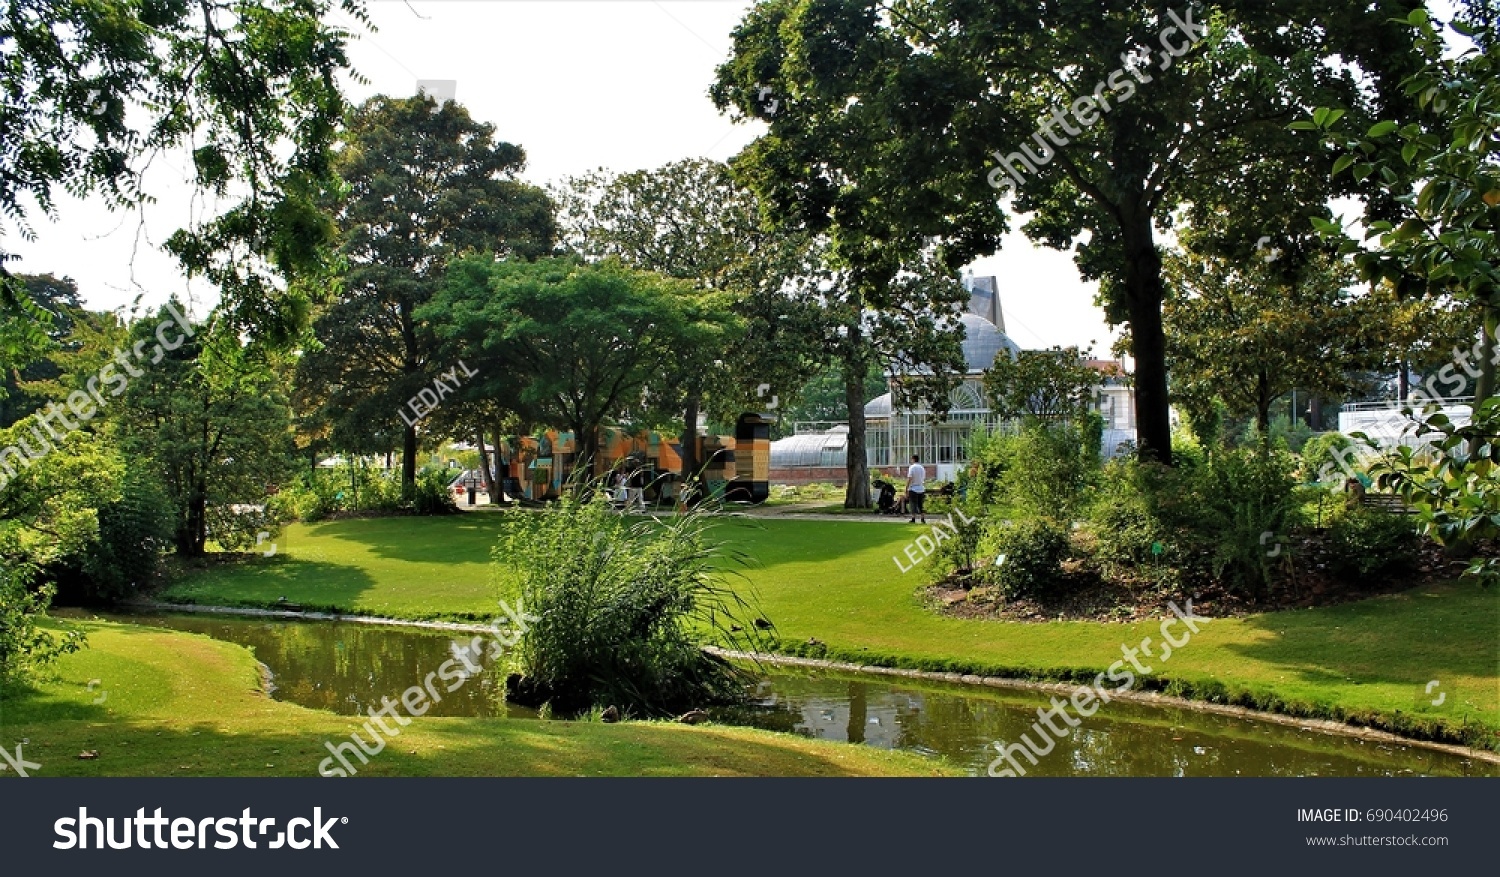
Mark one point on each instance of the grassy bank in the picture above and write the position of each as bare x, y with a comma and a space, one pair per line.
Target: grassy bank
177, 704
1368, 662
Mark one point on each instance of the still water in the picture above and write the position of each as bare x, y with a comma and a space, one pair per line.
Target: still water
348, 667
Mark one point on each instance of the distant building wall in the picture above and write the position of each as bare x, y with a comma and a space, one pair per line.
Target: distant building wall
809, 475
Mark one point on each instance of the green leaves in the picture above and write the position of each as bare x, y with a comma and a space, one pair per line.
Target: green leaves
1435, 172
622, 608
579, 344
1453, 487
1247, 333
420, 185
250, 87
1324, 117
1056, 384
899, 115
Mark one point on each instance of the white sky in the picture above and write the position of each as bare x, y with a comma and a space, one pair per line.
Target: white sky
580, 84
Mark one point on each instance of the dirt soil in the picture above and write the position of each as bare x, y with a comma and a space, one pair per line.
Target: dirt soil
1089, 596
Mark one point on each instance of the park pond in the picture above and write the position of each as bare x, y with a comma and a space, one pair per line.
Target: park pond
348, 667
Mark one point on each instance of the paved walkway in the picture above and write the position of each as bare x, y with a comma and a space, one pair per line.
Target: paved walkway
794, 512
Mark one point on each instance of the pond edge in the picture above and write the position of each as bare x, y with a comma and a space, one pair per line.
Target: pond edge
1327, 726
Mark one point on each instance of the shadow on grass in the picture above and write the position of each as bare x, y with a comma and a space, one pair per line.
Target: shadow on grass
755, 544
429, 747
315, 585
440, 539
1412, 637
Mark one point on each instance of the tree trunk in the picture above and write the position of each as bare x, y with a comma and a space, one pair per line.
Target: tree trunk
690, 461
502, 469
585, 452
192, 539
1315, 412
1263, 403
410, 365
1485, 386
857, 493
484, 466
1144, 292
409, 461
1403, 381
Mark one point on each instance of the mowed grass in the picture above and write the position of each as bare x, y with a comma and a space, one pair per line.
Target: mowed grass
836, 581
179, 704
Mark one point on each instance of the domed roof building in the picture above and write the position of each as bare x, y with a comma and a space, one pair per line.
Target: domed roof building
893, 434
983, 342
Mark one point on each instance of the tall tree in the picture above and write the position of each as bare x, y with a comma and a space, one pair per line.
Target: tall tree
911, 112
905, 325
1247, 334
60, 304
691, 220
210, 420
580, 344
422, 184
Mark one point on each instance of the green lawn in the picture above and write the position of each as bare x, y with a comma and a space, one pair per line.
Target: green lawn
1368, 662
179, 704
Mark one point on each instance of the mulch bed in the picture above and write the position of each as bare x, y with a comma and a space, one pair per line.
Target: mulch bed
1088, 596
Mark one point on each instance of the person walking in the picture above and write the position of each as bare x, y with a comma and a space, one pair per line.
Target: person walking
916, 489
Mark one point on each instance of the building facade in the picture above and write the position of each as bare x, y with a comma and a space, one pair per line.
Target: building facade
893, 434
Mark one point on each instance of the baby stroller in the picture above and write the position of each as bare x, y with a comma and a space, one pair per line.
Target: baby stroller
885, 500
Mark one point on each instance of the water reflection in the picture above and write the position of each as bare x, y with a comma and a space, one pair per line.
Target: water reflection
1122, 739
347, 668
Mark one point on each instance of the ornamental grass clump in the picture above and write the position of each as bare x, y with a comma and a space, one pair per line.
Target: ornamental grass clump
623, 608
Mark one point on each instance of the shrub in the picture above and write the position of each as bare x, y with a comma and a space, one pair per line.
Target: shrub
134, 531
624, 606
432, 496
1211, 519
1053, 468
1238, 502
1323, 451
238, 527
990, 455
25, 647
1124, 526
1366, 542
1033, 554
960, 553
1452, 483
1293, 434
318, 495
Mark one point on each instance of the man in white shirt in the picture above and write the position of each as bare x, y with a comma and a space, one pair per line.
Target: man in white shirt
916, 489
